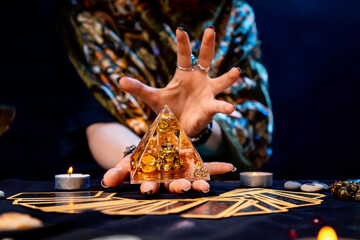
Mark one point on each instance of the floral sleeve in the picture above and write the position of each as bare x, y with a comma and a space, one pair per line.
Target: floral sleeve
110, 39
248, 131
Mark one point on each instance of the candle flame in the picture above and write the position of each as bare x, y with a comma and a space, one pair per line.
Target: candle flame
327, 233
70, 170
254, 173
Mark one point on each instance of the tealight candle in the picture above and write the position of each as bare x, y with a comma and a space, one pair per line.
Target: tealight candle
256, 179
72, 181
327, 233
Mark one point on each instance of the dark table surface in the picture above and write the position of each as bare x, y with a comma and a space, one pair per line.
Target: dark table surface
343, 216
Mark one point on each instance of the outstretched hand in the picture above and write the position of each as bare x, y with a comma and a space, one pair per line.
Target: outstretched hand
191, 97
121, 171
191, 93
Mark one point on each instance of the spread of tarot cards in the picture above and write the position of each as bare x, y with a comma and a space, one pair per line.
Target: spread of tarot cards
238, 202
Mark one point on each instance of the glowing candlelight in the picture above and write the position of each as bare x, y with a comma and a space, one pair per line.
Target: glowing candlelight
72, 181
327, 233
256, 179
70, 170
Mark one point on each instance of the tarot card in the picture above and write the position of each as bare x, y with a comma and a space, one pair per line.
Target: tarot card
241, 191
115, 205
301, 194
61, 204
251, 191
71, 211
286, 201
251, 209
135, 204
19, 201
212, 209
62, 201
177, 206
106, 195
279, 194
161, 203
264, 203
244, 204
79, 205
43, 195
135, 210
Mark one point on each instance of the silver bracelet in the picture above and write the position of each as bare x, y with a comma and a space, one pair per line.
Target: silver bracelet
129, 150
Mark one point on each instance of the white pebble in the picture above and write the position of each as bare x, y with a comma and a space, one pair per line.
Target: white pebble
2, 194
326, 187
292, 185
312, 187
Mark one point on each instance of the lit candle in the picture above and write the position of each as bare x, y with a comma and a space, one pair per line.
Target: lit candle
72, 181
327, 233
256, 179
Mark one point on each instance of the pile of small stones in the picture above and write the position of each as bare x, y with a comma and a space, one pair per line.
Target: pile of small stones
306, 187
346, 190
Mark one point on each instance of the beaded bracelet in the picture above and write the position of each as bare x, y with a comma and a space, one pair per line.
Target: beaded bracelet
203, 136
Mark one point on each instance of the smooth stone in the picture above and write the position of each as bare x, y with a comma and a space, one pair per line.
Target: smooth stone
292, 185
312, 187
2, 194
326, 187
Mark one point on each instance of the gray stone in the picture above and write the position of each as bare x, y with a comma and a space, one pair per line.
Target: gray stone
326, 187
292, 185
312, 187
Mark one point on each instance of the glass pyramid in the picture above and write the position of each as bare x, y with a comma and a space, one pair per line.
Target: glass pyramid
165, 153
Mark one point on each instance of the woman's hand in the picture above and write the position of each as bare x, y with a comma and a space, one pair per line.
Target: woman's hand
191, 93
121, 171
191, 97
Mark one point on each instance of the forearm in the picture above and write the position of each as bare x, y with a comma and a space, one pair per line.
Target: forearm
108, 141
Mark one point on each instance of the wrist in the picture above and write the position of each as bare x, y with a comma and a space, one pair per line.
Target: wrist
214, 145
203, 136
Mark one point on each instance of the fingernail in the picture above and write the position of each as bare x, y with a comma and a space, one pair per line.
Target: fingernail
239, 70
148, 192
181, 28
205, 191
102, 184
186, 190
234, 170
212, 27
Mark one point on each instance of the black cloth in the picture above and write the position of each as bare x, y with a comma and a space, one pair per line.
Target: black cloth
81, 110
343, 216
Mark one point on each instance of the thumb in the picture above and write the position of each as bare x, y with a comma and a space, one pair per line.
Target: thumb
118, 174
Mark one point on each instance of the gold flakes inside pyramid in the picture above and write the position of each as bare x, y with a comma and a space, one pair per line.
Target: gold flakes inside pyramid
165, 153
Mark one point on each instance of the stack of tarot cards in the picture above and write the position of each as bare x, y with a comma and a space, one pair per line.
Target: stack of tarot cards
237, 202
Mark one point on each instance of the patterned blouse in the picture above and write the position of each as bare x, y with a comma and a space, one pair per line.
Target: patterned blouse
109, 39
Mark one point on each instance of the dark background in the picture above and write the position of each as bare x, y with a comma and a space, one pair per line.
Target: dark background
310, 49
